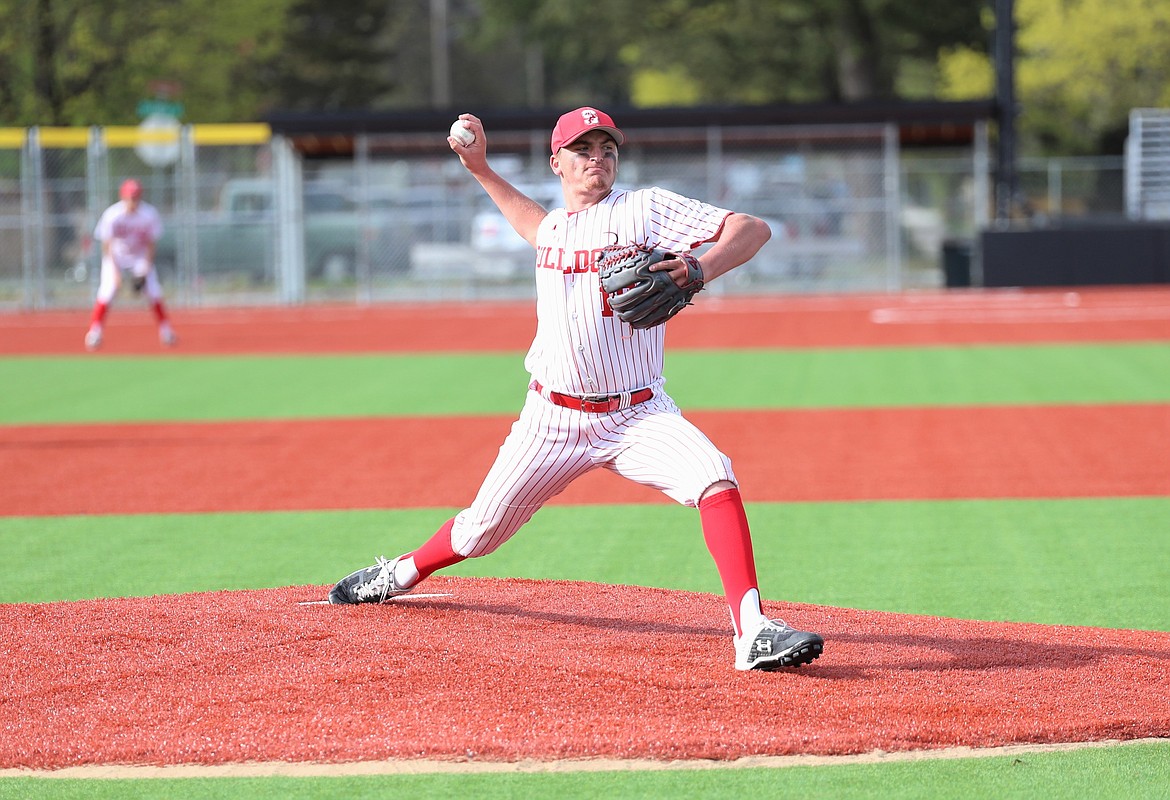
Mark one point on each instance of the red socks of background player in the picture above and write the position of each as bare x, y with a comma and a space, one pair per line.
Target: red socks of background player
101, 309
99, 314
725, 529
160, 311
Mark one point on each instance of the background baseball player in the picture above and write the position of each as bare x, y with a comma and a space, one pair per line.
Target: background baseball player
128, 231
596, 395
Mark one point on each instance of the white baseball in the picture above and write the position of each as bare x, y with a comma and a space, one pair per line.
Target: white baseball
461, 133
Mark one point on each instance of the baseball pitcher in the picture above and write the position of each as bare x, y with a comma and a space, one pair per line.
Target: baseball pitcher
612, 266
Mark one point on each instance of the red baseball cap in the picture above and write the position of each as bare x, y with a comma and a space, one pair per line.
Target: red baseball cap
130, 188
572, 126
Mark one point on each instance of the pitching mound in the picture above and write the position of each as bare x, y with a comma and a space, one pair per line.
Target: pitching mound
509, 670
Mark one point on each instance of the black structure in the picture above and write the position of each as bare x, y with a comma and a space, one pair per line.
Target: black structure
1082, 254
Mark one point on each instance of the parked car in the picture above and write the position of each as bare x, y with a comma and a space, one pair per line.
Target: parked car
406, 219
497, 250
240, 236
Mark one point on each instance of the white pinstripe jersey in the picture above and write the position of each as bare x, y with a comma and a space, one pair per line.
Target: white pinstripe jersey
581, 347
130, 233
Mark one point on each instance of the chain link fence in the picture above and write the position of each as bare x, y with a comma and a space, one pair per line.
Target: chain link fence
251, 221
830, 196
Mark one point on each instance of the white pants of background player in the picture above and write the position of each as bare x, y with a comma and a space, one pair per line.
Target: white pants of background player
550, 446
137, 267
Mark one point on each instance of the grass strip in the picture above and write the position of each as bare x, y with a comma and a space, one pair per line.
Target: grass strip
1094, 562
74, 390
1137, 771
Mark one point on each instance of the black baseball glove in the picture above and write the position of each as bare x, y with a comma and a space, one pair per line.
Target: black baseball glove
641, 297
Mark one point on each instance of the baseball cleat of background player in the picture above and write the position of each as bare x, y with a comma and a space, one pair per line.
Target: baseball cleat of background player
373, 584
774, 644
93, 338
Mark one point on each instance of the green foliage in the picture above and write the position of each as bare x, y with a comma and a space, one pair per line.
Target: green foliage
1081, 66
676, 52
89, 62
336, 55
577, 46
216, 62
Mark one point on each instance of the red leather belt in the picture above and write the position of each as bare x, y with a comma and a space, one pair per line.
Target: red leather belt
595, 403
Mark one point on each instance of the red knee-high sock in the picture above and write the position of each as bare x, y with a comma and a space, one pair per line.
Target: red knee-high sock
725, 529
436, 552
160, 311
99, 313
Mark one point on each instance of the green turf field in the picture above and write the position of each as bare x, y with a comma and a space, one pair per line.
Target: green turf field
1066, 562
68, 389
1097, 562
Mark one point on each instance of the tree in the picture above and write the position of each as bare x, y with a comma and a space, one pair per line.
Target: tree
89, 62
85, 62
53, 53
1081, 66
577, 48
338, 55
215, 52
741, 51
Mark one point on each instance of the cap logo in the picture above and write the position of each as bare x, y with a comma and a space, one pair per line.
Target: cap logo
574, 124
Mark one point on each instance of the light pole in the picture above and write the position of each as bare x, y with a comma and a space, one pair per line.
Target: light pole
440, 57
1006, 179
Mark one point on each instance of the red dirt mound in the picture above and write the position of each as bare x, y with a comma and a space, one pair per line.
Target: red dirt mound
509, 670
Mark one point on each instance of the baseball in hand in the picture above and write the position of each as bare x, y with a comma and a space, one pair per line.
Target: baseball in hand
461, 134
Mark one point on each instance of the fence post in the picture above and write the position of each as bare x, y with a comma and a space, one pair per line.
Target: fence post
186, 217
32, 210
361, 157
981, 213
892, 188
714, 161
1055, 189
290, 218
97, 184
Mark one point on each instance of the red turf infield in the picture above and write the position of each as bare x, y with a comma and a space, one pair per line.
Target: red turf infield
568, 670
1101, 314
809, 455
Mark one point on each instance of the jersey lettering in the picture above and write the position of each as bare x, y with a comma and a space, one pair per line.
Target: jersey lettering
556, 258
606, 308
547, 258
583, 261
